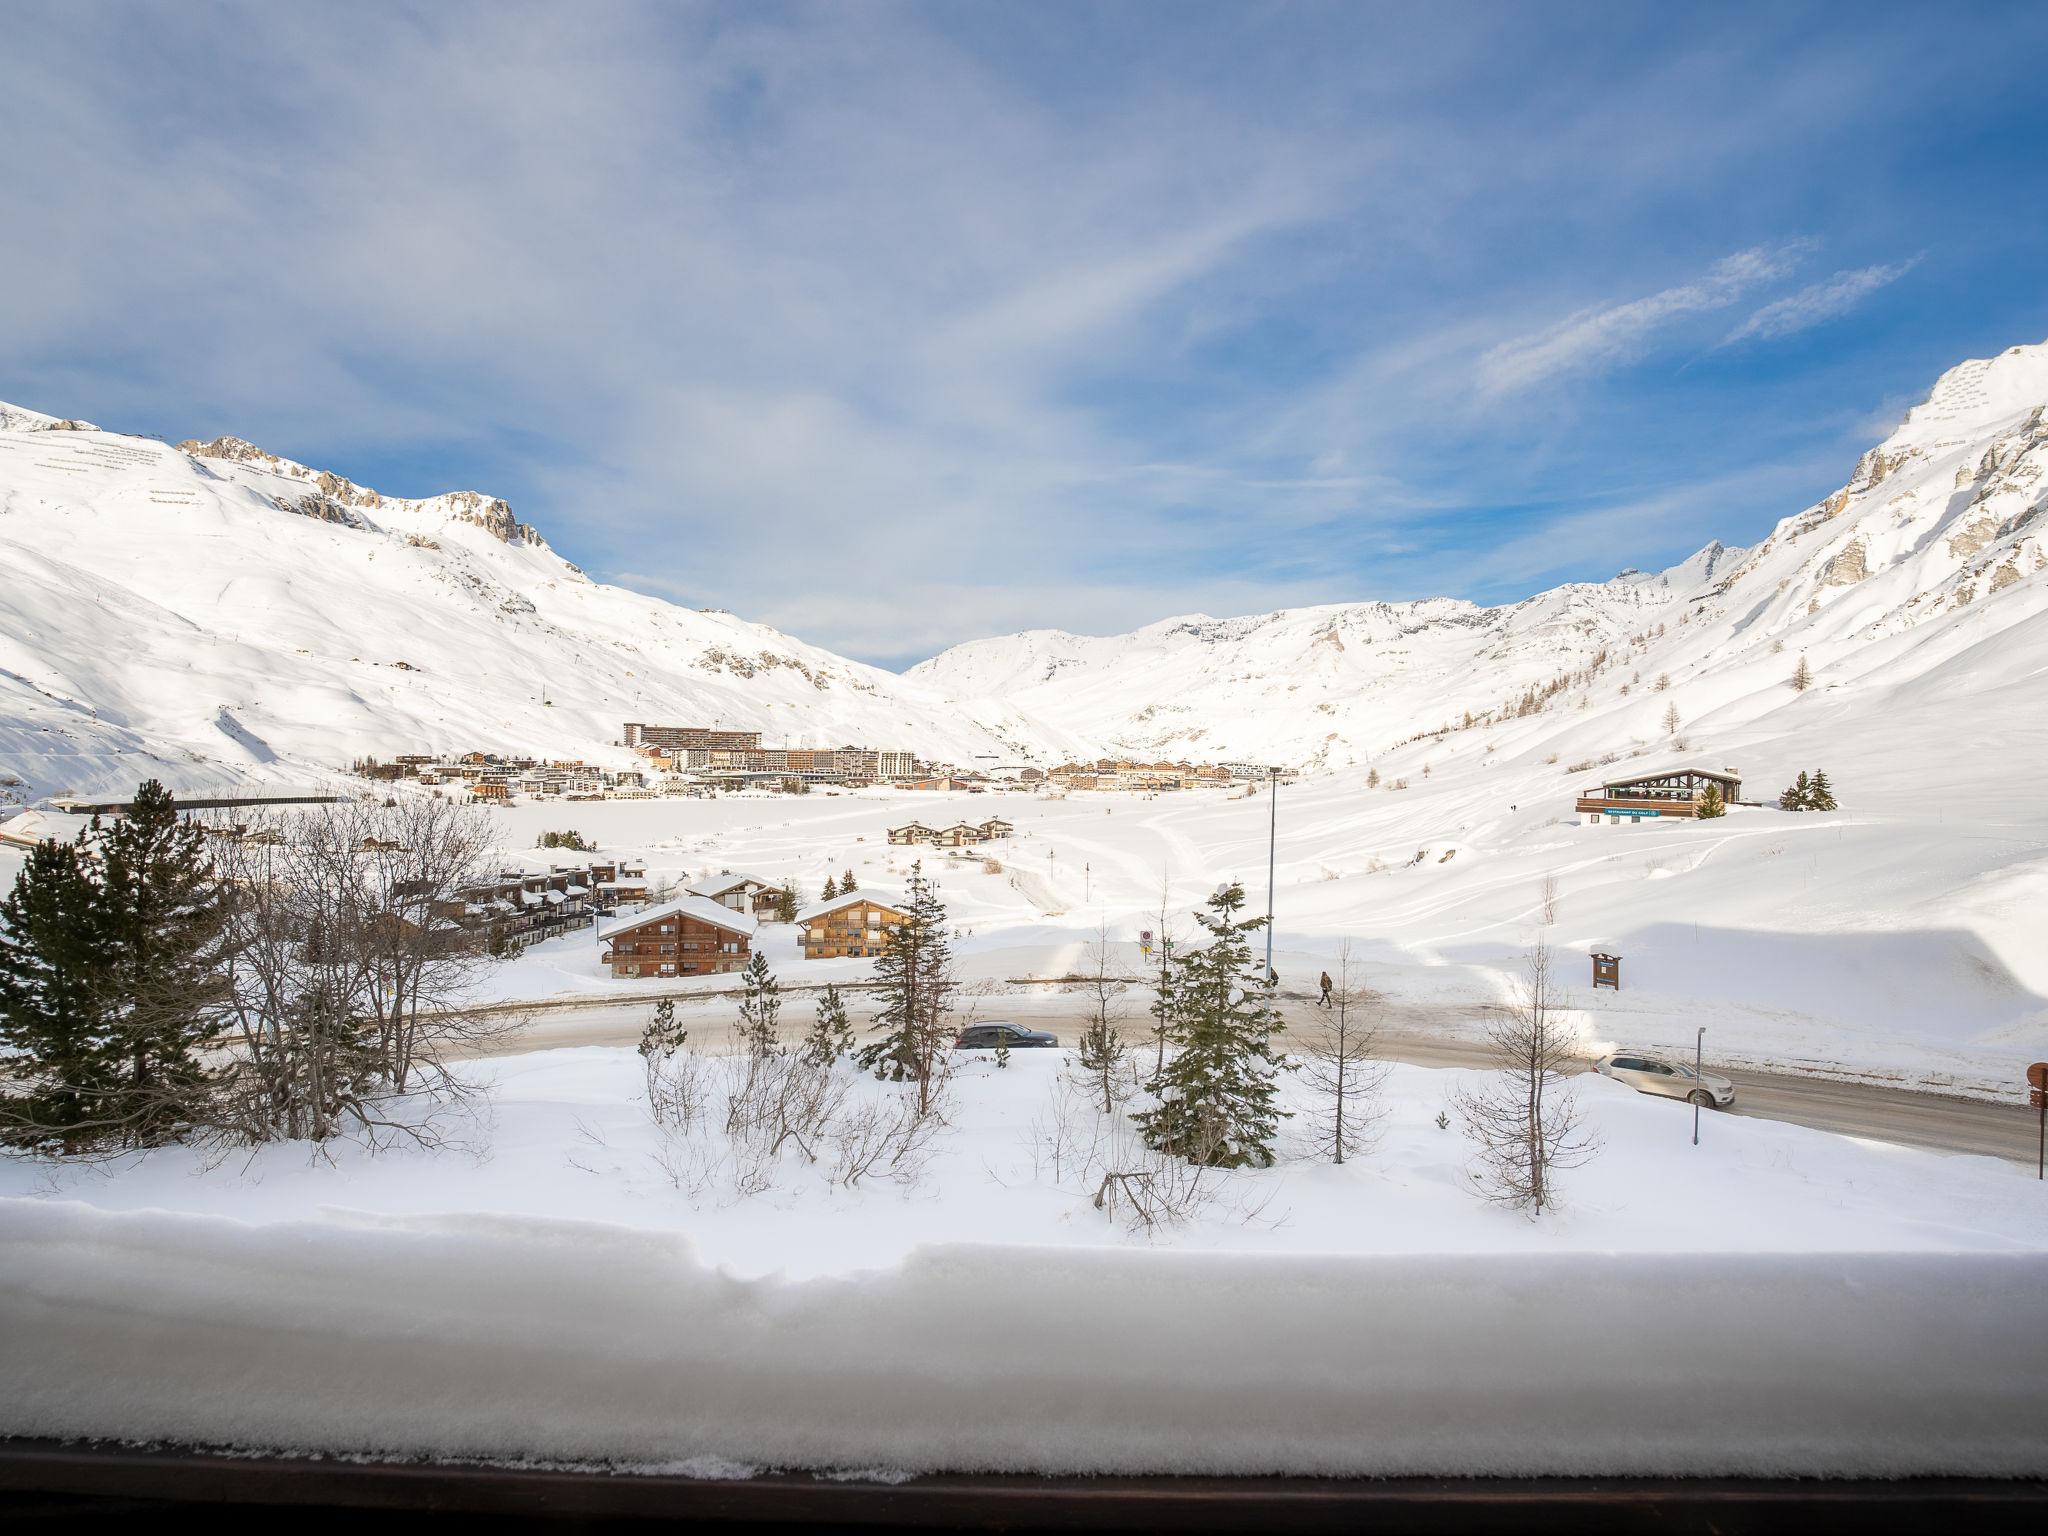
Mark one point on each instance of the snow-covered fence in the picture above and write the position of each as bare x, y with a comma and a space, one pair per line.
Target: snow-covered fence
488, 1336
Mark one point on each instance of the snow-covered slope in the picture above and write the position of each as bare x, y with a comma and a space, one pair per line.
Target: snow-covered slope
1935, 543
210, 611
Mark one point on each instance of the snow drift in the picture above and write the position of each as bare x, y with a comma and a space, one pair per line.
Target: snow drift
503, 1337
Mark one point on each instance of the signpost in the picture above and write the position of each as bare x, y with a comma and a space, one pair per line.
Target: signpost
1606, 971
2037, 1082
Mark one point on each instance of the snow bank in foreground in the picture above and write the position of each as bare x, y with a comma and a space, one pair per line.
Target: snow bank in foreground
502, 1337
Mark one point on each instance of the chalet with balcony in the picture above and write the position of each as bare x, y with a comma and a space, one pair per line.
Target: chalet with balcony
854, 926
912, 833
1652, 796
690, 936
995, 828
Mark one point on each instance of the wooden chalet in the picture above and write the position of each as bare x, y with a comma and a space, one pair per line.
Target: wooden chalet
1672, 792
912, 832
995, 827
961, 834
690, 936
741, 893
854, 926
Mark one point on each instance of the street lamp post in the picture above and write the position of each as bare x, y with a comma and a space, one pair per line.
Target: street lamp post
1699, 1045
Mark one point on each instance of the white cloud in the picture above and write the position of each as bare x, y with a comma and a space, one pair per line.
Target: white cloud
1606, 336
1817, 302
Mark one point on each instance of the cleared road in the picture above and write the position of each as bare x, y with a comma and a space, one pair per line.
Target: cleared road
1419, 1036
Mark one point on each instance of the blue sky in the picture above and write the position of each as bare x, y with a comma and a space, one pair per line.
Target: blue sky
894, 326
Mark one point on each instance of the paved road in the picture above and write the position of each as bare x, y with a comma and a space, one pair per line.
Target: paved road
1419, 1035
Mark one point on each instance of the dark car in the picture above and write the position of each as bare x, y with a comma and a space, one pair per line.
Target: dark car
986, 1037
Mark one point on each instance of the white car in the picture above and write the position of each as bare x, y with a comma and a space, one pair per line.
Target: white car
1660, 1075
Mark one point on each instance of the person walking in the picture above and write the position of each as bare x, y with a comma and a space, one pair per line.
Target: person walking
1326, 989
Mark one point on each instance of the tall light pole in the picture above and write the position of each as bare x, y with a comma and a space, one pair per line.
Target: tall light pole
1272, 844
1699, 1045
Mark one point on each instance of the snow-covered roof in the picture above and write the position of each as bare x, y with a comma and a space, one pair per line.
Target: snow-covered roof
553, 898
573, 889
529, 899
826, 908
702, 908
727, 880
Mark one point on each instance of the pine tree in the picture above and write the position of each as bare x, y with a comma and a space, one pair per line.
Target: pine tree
1217, 1100
847, 883
1711, 804
662, 1036
1670, 719
760, 1007
166, 920
1820, 795
785, 904
831, 1037
1799, 797
831, 888
53, 1006
915, 978
1372, 779
1802, 676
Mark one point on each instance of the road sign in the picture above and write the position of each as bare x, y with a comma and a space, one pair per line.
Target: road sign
2037, 1075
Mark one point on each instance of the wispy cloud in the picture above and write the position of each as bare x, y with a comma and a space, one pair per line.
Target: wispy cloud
900, 324
1818, 302
1606, 336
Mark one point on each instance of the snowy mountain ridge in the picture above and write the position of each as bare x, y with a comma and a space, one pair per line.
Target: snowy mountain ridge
212, 612
1945, 512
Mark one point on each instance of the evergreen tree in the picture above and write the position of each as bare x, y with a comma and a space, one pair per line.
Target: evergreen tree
1711, 804
1217, 1099
785, 904
847, 883
831, 1036
53, 1004
165, 930
915, 977
760, 1006
663, 1036
1820, 796
1799, 797
831, 888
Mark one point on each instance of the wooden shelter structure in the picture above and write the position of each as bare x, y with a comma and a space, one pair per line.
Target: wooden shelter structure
1671, 792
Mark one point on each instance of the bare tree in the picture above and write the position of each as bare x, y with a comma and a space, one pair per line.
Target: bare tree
1523, 1116
1338, 1064
345, 966
1550, 894
1671, 721
1802, 676
412, 863
1103, 1055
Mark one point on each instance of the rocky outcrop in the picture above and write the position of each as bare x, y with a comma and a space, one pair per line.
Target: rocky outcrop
1847, 567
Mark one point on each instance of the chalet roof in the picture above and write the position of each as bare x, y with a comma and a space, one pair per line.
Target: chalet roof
1669, 773
728, 880
702, 908
850, 898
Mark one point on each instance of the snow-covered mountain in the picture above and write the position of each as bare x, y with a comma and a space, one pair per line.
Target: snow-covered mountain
211, 612
1934, 544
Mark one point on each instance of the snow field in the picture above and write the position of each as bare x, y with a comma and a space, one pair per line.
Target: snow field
1775, 1301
